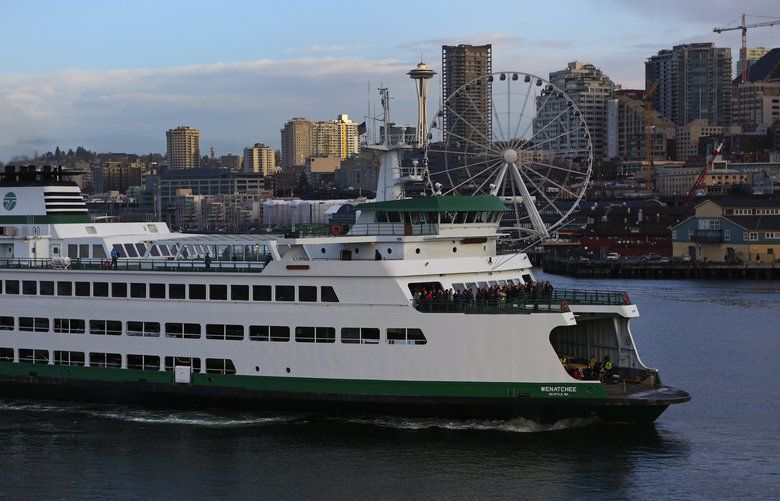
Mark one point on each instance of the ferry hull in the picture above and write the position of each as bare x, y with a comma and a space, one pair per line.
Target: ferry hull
624, 410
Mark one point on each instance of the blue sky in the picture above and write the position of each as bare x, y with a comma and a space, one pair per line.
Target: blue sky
116, 75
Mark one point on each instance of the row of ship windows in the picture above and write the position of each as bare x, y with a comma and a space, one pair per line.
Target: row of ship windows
114, 360
217, 292
222, 332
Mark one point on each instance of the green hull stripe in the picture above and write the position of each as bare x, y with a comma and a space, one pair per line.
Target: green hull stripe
56, 219
317, 385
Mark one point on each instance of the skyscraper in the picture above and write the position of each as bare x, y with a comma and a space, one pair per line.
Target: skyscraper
591, 90
467, 116
694, 82
183, 148
303, 138
260, 159
753, 55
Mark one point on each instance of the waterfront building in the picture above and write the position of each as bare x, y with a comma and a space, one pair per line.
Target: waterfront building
183, 147
591, 90
756, 103
730, 231
678, 181
470, 114
259, 159
627, 130
688, 136
694, 82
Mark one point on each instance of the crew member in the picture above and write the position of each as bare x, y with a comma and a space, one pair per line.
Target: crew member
114, 259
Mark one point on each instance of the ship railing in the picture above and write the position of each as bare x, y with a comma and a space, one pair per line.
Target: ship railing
557, 301
126, 264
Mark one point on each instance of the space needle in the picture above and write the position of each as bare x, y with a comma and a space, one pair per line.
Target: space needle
421, 74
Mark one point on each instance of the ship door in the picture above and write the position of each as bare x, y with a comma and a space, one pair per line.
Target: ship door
346, 255
692, 252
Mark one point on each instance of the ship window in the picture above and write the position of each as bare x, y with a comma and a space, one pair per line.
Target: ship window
315, 334
130, 250
141, 248
84, 250
6, 323
33, 324
527, 278
357, 335
6, 354
239, 292
225, 332
82, 289
46, 288
307, 293
394, 217
177, 291
69, 358
34, 356
105, 327
120, 251
100, 289
328, 295
182, 331
220, 366
138, 290
118, 289
258, 333
12, 287
197, 291
98, 251
145, 329
458, 287
171, 362
405, 336
29, 287
261, 292
380, 217
73, 251
280, 333
164, 250
285, 293
157, 291
105, 360
143, 362
91, 230
154, 251
218, 292
64, 288
416, 287
69, 325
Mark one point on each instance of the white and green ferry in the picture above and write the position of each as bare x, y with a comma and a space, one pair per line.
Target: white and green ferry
289, 324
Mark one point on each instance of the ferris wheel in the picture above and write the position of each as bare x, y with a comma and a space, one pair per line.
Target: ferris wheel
516, 136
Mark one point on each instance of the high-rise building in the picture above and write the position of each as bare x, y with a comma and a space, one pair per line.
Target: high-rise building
694, 81
591, 90
627, 130
689, 136
756, 103
183, 148
260, 158
467, 116
303, 138
753, 55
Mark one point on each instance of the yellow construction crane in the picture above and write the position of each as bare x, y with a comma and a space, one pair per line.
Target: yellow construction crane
743, 51
649, 134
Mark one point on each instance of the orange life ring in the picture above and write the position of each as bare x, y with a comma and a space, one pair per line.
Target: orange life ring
336, 230
564, 306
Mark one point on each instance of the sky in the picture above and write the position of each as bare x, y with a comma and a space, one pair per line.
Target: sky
114, 76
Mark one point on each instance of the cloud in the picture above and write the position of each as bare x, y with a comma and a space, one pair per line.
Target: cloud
498, 40
322, 49
240, 102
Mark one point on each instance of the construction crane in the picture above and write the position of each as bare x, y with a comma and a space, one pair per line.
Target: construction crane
743, 51
702, 176
649, 135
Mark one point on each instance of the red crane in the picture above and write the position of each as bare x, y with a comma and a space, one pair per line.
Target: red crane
702, 176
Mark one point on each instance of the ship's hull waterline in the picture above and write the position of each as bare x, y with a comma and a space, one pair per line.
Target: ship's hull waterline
368, 398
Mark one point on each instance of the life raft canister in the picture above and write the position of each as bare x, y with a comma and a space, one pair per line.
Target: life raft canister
336, 230
626, 299
564, 306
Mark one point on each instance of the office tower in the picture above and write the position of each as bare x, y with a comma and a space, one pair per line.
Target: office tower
303, 138
183, 148
694, 81
467, 116
259, 158
298, 138
756, 102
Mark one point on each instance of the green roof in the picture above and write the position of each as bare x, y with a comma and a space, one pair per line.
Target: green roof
446, 203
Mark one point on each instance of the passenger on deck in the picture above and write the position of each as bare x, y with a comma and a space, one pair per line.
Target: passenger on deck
207, 260
606, 368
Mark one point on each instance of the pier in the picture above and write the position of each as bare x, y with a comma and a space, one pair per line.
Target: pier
662, 270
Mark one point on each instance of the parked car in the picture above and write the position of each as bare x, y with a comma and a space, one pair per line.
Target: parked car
613, 256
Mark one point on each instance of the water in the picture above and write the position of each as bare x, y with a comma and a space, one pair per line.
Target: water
718, 340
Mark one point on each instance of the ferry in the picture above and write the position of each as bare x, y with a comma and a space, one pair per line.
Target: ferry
326, 324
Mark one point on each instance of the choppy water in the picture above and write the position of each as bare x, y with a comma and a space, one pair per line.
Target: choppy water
718, 340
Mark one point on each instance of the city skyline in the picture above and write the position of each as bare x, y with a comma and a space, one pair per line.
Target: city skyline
119, 85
